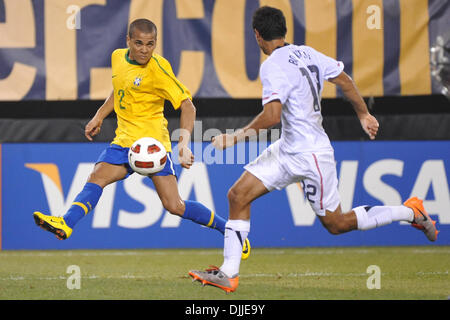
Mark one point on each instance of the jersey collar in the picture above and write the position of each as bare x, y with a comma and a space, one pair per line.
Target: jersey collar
129, 60
285, 44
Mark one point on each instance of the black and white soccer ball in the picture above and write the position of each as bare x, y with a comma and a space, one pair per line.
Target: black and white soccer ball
147, 156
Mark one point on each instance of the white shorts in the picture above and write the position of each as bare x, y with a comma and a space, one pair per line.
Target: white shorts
315, 170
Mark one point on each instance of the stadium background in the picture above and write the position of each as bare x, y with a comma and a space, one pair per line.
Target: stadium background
54, 74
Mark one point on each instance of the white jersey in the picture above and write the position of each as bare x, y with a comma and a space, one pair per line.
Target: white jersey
295, 75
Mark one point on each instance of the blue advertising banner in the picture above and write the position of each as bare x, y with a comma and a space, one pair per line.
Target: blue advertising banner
61, 49
47, 177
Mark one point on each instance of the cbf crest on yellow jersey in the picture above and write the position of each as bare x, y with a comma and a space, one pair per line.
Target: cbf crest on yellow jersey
139, 95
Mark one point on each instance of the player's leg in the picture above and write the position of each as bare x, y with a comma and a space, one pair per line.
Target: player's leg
102, 175
364, 218
246, 189
110, 167
324, 198
167, 188
240, 196
370, 217
262, 175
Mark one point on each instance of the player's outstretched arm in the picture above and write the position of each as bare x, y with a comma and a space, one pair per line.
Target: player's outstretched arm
187, 119
368, 122
270, 116
93, 127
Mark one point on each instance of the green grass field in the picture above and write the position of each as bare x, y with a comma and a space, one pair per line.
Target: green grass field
269, 274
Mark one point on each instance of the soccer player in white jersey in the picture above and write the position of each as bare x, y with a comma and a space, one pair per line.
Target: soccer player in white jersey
292, 79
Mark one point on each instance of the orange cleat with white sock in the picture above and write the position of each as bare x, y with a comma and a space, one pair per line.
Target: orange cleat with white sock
422, 220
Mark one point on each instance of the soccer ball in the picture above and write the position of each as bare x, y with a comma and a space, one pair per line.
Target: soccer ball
147, 156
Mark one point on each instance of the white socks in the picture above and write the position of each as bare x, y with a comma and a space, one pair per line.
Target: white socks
236, 231
372, 217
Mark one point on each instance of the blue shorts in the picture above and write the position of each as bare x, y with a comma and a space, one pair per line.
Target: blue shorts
116, 154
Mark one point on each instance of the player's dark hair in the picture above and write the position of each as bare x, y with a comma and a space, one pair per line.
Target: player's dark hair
143, 25
270, 23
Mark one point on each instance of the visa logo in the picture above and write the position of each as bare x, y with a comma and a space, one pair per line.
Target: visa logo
431, 176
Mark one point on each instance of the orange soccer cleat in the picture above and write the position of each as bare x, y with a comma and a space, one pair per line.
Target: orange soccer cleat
215, 277
422, 220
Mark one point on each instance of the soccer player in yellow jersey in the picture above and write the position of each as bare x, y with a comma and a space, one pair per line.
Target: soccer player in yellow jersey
142, 81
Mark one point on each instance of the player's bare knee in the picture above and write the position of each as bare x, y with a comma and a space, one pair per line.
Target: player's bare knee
334, 230
331, 228
97, 179
232, 195
335, 226
235, 197
174, 207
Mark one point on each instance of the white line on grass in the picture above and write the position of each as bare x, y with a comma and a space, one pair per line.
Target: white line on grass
254, 275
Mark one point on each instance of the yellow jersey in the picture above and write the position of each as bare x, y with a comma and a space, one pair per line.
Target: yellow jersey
139, 95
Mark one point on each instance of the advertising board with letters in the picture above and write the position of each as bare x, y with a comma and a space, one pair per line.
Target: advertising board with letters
47, 176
